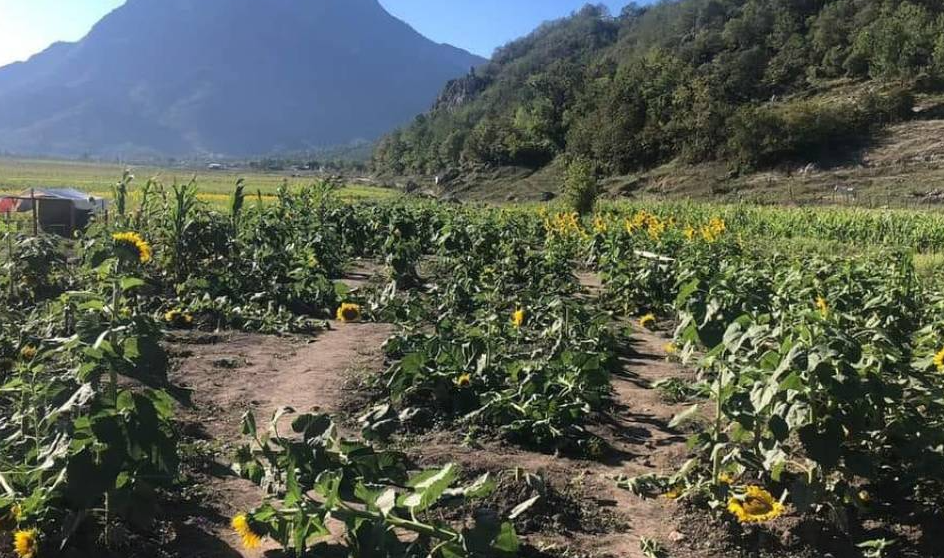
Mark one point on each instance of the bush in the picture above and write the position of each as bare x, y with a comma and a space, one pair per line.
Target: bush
805, 130
580, 186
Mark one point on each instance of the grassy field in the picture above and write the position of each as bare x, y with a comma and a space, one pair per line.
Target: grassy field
17, 175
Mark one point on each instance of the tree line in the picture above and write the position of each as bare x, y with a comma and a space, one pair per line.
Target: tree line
753, 82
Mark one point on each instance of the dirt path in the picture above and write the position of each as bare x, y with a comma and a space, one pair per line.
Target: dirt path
230, 373
637, 430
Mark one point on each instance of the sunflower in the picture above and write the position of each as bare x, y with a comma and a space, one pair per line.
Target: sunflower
822, 305
673, 493
28, 352
464, 380
251, 539
670, 348
647, 321
348, 312
756, 505
132, 245
939, 360
517, 317
599, 225
178, 318
26, 543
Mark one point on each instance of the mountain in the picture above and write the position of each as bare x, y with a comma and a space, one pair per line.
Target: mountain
753, 84
226, 77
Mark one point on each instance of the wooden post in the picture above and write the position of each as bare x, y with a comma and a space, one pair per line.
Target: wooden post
35, 212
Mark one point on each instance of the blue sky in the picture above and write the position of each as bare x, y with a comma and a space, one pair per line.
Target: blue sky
28, 26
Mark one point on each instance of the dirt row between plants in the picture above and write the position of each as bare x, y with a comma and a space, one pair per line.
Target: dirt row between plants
231, 373
227, 374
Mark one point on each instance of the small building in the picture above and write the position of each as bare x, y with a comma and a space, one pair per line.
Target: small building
60, 211
215, 166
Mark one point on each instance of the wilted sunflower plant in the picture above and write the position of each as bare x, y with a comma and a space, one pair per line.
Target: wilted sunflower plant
387, 510
81, 449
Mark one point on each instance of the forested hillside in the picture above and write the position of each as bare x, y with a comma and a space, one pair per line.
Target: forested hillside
753, 82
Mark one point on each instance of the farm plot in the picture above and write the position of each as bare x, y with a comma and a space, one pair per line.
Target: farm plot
314, 377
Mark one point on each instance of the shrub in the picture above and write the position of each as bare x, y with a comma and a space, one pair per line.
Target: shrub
580, 186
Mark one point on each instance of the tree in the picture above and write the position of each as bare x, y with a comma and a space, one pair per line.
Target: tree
580, 186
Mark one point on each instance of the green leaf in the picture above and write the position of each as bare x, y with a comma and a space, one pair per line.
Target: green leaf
249, 424
428, 487
507, 540
387, 501
129, 283
523, 507
684, 416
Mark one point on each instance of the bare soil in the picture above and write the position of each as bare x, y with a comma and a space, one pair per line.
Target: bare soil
231, 373
612, 519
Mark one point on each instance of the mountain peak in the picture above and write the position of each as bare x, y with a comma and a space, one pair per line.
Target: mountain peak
230, 77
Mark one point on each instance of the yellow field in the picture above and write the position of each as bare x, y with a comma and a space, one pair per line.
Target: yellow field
17, 175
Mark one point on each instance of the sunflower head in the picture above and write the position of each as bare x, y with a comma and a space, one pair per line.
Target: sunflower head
756, 505
518, 317
243, 526
647, 321
28, 352
822, 306
939, 360
673, 493
132, 246
463, 381
26, 543
599, 225
349, 312
178, 318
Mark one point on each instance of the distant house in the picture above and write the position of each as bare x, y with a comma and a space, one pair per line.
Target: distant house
58, 210
215, 166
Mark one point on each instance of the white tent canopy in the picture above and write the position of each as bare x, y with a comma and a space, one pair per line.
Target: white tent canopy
82, 201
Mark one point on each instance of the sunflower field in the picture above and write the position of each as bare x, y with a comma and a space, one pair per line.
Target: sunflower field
815, 349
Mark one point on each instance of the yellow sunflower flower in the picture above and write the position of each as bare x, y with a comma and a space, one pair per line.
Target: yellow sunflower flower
517, 317
132, 242
756, 505
178, 318
349, 312
939, 360
673, 493
251, 539
599, 225
26, 543
647, 321
670, 348
822, 306
464, 380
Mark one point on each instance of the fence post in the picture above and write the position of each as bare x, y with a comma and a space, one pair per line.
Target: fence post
35, 212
